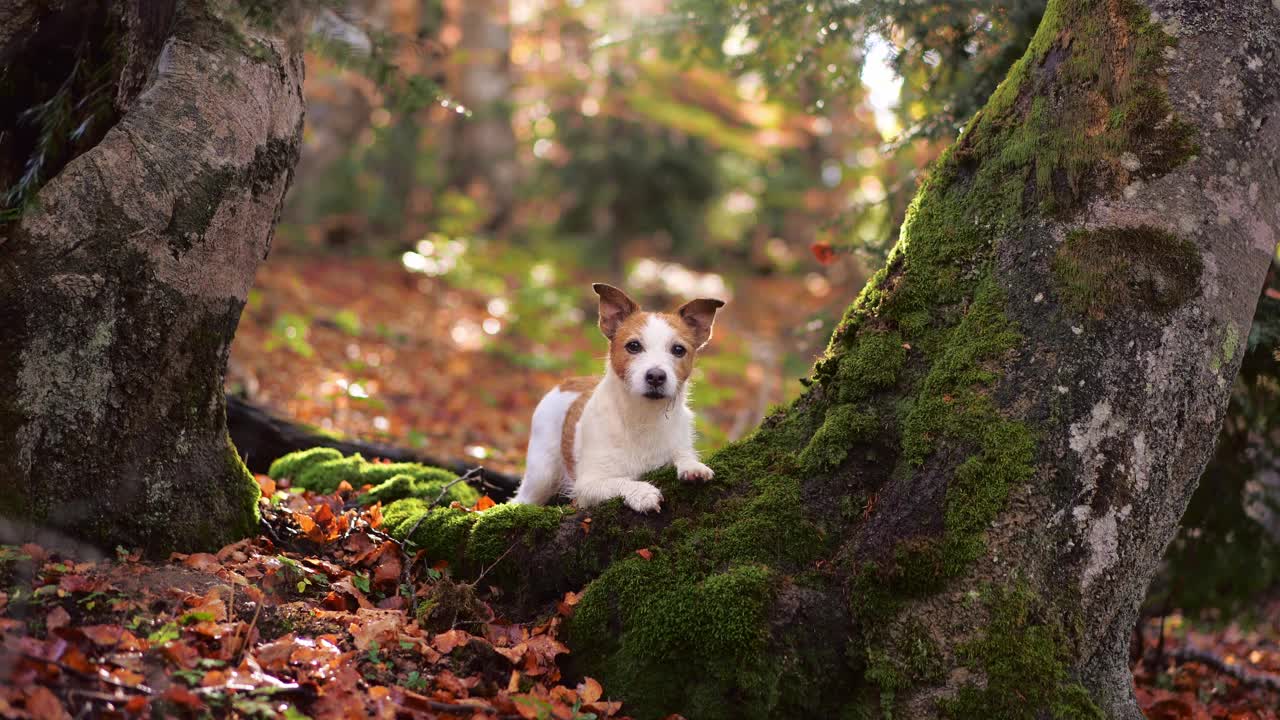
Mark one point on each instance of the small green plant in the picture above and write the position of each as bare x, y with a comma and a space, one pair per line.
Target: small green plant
290, 331
166, 633
415, 682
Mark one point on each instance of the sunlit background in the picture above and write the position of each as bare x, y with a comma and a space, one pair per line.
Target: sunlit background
470, 167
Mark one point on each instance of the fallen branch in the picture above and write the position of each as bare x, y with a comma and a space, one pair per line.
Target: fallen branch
444, 491
262, 437
1241, 673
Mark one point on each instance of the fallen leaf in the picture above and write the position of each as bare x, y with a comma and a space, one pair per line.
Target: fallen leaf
445, 642
203, 562
823, 252
57, 618
645, 553
181, 696
266, 485
589, 690
42, 704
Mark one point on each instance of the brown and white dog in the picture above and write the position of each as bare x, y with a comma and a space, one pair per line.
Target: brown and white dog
593, 437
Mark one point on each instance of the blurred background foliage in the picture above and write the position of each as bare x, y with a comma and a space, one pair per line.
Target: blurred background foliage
474, 163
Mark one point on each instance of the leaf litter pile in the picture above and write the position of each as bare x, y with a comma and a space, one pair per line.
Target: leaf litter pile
322, 616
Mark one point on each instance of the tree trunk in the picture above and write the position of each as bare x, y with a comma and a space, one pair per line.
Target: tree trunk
121, 287
960, 515
482, 156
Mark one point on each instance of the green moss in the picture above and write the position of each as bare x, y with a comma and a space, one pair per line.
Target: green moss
245, 494
325, 476
494, 529
397, 481
469, 540
400, 487
442, 532
844, 425
1043, 130
292, 465
871, 364
321, 470
1138, 268
704, 596
905, 657
1023, 659
672, 616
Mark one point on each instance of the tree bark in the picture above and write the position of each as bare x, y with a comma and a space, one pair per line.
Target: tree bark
960, 515
483, 152
122, 285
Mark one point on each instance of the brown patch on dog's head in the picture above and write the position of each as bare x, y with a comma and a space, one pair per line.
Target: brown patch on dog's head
699, 315
627, 330
686, 337
615, 308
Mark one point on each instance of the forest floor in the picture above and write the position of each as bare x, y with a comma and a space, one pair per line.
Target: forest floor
324, 616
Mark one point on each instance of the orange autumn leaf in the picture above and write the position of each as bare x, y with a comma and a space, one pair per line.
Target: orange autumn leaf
445, 642
823, 252
645, 553
484, 503
589, 690
266, 485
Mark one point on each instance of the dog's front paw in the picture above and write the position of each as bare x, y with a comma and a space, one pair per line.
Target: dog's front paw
644, 498
696, 472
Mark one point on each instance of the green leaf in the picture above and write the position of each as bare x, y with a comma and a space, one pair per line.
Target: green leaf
166, 633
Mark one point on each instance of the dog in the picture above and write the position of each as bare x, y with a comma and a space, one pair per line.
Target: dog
593, 437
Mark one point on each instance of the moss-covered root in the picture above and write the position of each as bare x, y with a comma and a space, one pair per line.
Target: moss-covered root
471, 541
322, 470
675, 618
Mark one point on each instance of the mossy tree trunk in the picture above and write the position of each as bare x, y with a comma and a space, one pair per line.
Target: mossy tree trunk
121, 283
961, 514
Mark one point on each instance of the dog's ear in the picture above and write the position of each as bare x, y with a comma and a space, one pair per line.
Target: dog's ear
700, 315
615, 307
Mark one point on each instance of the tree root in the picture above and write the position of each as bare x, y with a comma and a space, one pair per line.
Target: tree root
261, 437
1242, 674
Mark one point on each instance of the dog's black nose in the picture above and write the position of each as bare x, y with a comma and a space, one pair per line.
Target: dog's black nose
655, 377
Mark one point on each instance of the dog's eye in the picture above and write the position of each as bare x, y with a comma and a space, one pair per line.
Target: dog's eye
678, 350
634, 347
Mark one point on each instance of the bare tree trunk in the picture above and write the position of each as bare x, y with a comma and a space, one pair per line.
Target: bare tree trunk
960, 515
483, 151
122, 285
